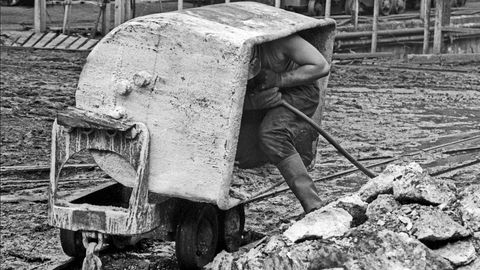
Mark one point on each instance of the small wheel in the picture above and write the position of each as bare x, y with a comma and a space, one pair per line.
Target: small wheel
386, 7
315, 8
197, 236
71, 242
399, 6
231, 228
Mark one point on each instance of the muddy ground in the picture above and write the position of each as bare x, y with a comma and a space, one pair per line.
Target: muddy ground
375, 110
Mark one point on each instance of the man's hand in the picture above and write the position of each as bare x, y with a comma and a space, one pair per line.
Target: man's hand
264, 80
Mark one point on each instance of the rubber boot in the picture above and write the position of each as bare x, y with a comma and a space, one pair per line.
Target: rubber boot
297, 178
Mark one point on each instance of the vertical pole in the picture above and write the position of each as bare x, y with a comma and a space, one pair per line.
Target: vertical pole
40, 15
277, 3
119, 12
426, 25
180, 4
437, 36
128, 10
376, 6
227, 1
356, 15
106, 17
66, 16
422, 8
328, 8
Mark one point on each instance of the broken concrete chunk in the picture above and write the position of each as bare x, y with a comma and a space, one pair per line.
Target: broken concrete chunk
354, 205
434, 225
323, 223
418, 186
470, 207
383, 183
385, 203
458, 253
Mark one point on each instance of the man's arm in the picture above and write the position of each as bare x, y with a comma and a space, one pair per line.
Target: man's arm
312, 64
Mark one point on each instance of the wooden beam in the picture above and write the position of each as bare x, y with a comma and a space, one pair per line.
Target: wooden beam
376, 6
328, 8
40, 16
180, 4
437, 36
426, 25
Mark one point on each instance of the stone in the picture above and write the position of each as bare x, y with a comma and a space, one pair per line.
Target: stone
383, 204
354, 205
362, 249
323, 223
458, 253
434, 225
382, 184
417, 186
475, 265
470, 207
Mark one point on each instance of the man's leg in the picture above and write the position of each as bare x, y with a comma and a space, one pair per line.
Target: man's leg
278, 132
248, 153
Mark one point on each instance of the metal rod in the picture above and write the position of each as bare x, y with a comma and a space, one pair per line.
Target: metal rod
328, 8
329, 139
456, 167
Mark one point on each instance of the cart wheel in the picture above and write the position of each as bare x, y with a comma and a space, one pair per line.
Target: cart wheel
315, 8
399, 6
197, 236
231, 228
386, 7
71, 242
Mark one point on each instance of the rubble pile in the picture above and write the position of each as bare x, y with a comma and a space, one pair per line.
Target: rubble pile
401, 219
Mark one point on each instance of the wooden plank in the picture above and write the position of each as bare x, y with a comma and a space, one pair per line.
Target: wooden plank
39, 168
119, 12
437, 36
74, 117
444, 58
342, 56
33, 40
89, 45
24, 38
106, 17
460, 30
54, 43
66, 43
355, 14
40, 16
78, 43
45, 40
376, 6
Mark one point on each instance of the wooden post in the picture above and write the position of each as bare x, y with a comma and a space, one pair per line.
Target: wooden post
442, 17
227, 1
180, 4
426, 25
376, 6
40, 15
356, 15
106, 17
328, 8
277, 3
119, 12
128, 10
66, 16
422, 8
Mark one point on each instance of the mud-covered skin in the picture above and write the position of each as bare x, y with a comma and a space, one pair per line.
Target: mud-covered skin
371, 112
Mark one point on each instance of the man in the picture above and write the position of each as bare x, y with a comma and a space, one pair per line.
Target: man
289, 69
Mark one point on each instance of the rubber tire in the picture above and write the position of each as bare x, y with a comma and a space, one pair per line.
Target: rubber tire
71, 242
231, 239
199, 221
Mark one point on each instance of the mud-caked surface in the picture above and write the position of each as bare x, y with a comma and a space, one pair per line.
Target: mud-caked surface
375, 111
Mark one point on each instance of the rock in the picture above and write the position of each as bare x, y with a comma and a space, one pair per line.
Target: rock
434, 225
362, 249
417, 186
475, 265
382, 184
354, 205
470, 207
458, 253
383, 204
323, 223
390, 250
